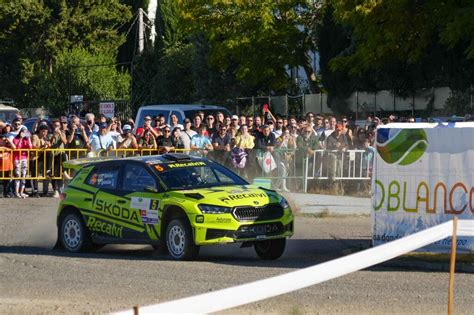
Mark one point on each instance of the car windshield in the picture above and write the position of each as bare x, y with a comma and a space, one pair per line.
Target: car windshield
196, 175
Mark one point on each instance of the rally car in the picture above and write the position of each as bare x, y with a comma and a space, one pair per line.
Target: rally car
174, 202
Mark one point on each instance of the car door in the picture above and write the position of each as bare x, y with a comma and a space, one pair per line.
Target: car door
104, 216
140, 194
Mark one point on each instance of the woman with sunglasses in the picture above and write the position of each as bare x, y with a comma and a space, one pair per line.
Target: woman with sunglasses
21, 143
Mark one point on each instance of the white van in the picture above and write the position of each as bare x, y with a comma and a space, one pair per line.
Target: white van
182, 111
8, 113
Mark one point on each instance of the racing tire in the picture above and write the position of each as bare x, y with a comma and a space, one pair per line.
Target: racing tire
179, 240
270, 249
74, 235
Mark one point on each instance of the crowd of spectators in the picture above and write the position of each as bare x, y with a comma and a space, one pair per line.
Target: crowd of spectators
251, 145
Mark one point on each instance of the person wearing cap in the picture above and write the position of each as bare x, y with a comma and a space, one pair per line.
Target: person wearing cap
20, 160
147, 127
128, 139
101, 141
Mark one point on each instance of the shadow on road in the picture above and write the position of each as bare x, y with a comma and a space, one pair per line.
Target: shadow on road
299, 253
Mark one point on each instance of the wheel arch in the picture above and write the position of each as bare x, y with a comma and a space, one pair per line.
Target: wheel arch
169, 213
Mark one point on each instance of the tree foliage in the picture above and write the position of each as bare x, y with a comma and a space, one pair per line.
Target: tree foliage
262, 38
78, 71
34, 33
403, 31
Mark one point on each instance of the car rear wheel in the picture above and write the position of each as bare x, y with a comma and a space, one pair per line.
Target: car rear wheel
270, 249
74, 235
179, 240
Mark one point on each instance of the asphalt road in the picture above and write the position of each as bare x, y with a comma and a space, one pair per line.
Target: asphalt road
35, 279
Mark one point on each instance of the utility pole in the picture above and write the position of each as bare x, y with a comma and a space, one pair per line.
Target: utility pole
141, 31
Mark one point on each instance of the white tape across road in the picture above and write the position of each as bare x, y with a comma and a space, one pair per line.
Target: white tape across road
263, 289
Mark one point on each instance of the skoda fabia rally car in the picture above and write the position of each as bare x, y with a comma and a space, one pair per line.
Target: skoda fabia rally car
174, 202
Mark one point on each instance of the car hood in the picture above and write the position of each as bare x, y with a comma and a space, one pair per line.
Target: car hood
232, 196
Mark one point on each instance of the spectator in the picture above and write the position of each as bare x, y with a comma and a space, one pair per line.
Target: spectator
221, 145
91, 126
147, 140
187, 134
58, 141
242, 120
286, 146
6, 162
219, 118
76, 137
234, 122
128, 139
336, 144
245, 142
211, 126
40, 159
176, 139
265, 142
347, 132
174, 122
319, 126
15, 129
250, 123
115, 130
20, 160
147, 127
227, 122
164, 142
278, 130
310, 121
200, 143
367, 158
101, 142
197, 122
307, 144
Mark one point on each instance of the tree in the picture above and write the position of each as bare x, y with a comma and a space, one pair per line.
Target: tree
406, 32
262, 38
34, 33
78, 71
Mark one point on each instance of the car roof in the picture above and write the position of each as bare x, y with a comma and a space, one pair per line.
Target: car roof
182, 107
149, 159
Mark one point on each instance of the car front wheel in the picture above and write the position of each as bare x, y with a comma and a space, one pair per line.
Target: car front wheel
74, 234
270, 249
179, 240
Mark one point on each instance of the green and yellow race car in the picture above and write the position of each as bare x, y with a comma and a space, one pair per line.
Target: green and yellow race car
174, 202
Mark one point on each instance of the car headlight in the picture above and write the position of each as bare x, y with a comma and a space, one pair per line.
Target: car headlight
209, 209
284, 203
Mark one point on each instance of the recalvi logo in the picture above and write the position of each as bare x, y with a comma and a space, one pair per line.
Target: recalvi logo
394, 197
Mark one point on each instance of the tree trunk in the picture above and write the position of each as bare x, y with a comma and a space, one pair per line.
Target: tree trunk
310, 74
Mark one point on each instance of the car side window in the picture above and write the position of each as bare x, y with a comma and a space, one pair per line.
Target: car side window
106, 177
137, 178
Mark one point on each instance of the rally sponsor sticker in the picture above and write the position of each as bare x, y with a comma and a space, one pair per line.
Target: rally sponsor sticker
149, 216
140, 203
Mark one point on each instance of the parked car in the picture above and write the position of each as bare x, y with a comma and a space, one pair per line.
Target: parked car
182, 111
8, 113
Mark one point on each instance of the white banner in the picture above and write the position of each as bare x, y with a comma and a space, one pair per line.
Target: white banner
423, 176
108, 109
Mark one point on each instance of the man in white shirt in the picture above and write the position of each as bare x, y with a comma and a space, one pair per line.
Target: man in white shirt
102, 140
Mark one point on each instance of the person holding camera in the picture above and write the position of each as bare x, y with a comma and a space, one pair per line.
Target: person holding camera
128, 140
76, 137
21, 144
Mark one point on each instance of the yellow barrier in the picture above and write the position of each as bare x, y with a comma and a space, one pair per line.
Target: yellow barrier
44, 164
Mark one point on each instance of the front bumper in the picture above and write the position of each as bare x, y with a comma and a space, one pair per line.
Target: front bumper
222, 229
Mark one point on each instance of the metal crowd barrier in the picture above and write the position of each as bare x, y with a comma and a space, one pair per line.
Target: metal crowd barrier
339, 165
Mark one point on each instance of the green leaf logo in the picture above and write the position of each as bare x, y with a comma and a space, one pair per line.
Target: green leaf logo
404, 147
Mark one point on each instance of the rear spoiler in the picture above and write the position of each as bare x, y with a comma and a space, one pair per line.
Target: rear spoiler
77, 164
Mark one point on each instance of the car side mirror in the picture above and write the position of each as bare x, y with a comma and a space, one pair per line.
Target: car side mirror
151, 189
